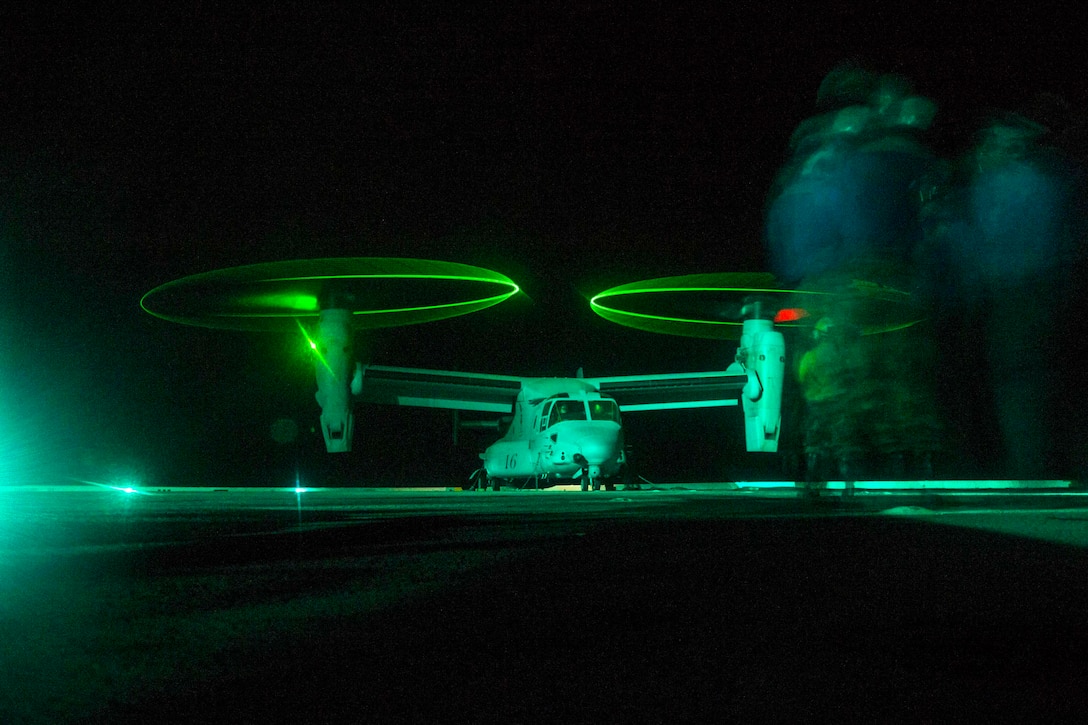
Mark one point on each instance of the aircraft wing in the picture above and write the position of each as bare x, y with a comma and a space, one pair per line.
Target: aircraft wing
439, 389
676, 390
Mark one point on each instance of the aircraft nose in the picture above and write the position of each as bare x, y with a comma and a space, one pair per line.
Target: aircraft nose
599, 446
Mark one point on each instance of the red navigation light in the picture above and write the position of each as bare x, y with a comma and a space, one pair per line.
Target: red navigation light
790, 314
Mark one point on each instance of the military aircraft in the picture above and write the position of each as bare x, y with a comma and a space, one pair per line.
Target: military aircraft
567, 429
558, 428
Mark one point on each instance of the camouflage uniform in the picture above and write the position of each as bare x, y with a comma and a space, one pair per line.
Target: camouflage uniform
905, 424
831, 376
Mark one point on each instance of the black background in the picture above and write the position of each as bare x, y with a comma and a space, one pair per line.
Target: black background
570, 146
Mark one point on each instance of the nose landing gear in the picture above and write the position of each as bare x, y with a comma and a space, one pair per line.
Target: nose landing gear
590, 477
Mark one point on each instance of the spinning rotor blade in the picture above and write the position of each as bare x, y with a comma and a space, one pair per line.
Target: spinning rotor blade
378, 291
715, 305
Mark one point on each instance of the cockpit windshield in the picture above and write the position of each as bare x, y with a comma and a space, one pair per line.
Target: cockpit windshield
604, 410
567, 410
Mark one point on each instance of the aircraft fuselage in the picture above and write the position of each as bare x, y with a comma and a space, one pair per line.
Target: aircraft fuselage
561, 429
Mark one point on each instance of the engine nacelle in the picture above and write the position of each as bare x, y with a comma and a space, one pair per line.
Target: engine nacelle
762, 353
335, 368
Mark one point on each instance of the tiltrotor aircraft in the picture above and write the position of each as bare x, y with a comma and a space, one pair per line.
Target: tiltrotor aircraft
562, 429
558, 428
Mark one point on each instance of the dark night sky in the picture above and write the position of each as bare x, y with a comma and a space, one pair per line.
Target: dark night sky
570, 147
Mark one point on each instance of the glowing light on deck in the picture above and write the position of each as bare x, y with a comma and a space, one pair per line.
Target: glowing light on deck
120, 487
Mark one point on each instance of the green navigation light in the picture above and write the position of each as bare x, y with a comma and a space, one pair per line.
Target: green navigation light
379, 291
313, 345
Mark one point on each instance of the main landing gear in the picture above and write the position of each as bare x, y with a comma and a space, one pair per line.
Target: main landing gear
481, 481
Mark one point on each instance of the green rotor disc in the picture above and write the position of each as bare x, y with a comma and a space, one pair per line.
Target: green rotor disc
714, 305
379, 291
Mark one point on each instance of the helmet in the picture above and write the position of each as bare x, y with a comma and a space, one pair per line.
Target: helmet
823, 327
847, 84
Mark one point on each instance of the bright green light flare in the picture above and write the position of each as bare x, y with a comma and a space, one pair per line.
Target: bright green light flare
312, 344
380, 291
879, 304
